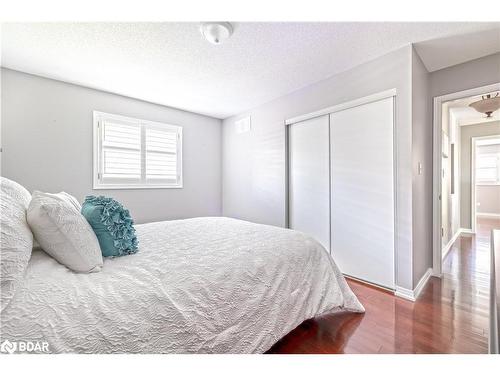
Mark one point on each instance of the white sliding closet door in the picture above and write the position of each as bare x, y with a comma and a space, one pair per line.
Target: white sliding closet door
309, 178
362, 192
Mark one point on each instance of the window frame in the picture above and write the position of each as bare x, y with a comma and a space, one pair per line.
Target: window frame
492, 182
97, 135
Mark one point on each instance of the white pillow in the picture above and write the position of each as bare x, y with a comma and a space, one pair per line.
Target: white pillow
70, 199
63, 232
64, 197
16, 239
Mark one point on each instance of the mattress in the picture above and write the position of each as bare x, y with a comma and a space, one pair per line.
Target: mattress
202, 285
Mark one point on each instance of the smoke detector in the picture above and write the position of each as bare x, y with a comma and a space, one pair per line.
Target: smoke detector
216, 32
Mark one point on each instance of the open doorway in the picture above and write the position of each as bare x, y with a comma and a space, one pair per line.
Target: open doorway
485, 180
463, 135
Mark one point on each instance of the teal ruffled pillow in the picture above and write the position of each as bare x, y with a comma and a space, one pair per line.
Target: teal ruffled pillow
112, 225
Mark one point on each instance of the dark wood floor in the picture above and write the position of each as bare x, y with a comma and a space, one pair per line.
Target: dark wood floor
450, 316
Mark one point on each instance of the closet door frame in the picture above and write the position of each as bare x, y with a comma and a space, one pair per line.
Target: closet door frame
337, 108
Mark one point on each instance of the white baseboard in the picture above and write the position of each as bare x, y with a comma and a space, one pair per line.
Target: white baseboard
404, 293
488, 214
448, 246
412, 295
466, 231
423, 281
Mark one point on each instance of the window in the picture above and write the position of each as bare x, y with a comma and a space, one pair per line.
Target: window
488, 168
131, 153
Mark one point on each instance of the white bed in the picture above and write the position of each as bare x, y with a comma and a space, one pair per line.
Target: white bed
204, 285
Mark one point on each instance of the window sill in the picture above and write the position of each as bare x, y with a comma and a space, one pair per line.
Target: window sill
135, 187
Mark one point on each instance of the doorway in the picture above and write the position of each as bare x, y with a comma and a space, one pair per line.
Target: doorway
485, 180
457, 129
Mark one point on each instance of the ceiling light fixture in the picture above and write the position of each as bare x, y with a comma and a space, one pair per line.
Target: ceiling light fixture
487, 105
216, 32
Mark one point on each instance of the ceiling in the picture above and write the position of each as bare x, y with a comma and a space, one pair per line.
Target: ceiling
443, 52
171, 64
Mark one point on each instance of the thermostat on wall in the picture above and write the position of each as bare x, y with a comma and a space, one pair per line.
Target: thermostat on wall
243, 125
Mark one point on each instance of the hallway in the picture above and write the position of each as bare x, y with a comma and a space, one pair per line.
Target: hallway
450, 316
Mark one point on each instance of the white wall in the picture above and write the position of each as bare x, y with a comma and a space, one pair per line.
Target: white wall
47, 145
422, 183
254, 162
467, 132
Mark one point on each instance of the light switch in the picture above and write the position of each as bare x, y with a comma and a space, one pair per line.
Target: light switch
419, 168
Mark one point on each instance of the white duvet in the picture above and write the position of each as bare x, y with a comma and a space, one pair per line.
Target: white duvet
204, 285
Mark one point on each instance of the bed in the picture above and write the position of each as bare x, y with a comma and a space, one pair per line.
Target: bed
202, 285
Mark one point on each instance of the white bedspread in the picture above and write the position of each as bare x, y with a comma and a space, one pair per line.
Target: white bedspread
204, 285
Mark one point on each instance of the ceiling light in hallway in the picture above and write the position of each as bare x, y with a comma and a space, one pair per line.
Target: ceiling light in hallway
487, 105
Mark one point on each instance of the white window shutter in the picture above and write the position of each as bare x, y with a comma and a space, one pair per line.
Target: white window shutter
121, 151
161, 154
133, 153
488, 168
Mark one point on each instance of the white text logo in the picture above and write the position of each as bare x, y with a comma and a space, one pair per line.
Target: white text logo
8, 347
24, 346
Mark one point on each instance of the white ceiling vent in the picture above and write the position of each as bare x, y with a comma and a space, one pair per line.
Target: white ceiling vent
243, 125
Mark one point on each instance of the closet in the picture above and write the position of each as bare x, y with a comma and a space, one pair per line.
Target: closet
341, 184
309, 178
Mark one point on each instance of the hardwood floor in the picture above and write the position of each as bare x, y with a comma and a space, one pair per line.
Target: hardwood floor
450, 315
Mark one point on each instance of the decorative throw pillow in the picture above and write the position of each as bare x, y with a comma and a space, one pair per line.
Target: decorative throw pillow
69, 199
62, 231
112, 225
16, 239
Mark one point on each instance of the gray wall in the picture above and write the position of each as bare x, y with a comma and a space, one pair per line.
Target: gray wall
47, 145
422, 183
467, 132
254, 162
488, 199
475, 73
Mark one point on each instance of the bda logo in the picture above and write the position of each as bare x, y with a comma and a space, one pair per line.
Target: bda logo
24, 346
8, 347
